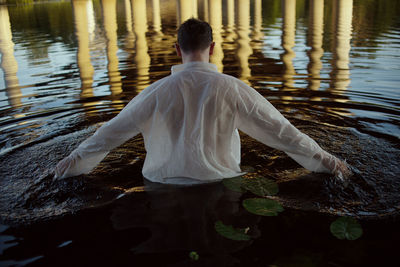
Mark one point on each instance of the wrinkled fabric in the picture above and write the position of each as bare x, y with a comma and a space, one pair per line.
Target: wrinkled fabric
190, 121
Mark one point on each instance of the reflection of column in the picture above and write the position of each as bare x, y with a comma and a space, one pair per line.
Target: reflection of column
243, 31
215, 16
204, 6
142, 58
91, 20
230, 9
341, 72
130, 38
156, 16
185, 10
8, 62
288, 41
316, 36
257, 34
110, 26
81, 11
194, 8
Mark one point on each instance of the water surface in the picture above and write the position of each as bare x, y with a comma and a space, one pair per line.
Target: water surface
331, 67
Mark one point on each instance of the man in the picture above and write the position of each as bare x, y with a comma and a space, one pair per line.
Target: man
190, 121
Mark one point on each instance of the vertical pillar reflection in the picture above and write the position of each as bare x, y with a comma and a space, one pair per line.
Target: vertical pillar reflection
156, 16
186, 10
243, 30
215, 16
315, 38
142, 58
81, 10
288, 42
8, 62
195, 8
130, 38
230, 9
110, 26
257, 34
343, 30
205, 9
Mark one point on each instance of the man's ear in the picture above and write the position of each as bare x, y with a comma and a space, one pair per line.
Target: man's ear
178, 50
212, 45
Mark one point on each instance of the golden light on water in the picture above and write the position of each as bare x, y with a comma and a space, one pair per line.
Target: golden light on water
148, 41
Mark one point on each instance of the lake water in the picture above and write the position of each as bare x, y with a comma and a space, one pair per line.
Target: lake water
331, 67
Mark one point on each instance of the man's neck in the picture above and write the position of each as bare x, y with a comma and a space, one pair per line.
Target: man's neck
195, 57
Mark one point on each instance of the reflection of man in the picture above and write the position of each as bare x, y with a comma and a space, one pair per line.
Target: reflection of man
190, 121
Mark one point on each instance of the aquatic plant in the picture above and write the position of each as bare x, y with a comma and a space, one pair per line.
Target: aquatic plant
342, 228
259, 186
262, 206
194, 255
346, 228
228, 231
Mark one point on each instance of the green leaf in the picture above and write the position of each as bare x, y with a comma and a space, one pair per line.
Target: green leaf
234, 184
194, 256
262, 206
231, 233
346, 228
261, 186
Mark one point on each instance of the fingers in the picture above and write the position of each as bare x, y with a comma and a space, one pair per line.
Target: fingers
62, 167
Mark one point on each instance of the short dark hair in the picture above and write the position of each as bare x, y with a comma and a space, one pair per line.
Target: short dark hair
194, 35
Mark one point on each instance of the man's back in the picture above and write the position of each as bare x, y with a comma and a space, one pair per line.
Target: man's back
191, 132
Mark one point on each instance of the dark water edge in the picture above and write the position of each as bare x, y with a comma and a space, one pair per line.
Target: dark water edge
123, 234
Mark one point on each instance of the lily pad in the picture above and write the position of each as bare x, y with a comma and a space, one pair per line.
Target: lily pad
194, 255
262, 206
261, 186
231, 233
346, 228
234, 184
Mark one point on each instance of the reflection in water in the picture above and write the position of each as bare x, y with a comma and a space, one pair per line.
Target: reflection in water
110, 26
340, 75
53, 90
215, 20
204, 6
183, 217
142, 58
130, 38
315, 41
8, 62
341, 44
288, 40
243, 30
186, 9
82, 9
230, 24
156, 16
257, 34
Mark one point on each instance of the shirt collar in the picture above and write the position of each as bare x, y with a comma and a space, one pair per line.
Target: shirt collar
194, 65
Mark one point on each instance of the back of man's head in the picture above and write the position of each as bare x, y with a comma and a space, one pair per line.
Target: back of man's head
194, 35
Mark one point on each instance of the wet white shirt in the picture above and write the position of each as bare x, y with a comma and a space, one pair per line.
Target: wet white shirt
190, 121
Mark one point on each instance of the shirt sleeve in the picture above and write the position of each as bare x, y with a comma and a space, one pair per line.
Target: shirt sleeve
258, 118
110, 135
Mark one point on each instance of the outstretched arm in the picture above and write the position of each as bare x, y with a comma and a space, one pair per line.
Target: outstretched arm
258, 118
89, 153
